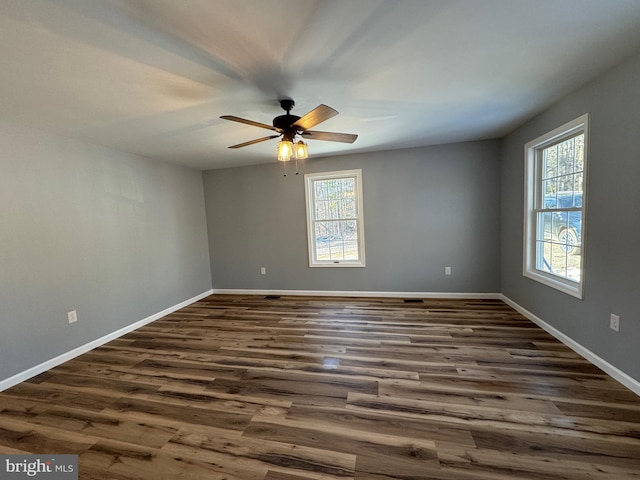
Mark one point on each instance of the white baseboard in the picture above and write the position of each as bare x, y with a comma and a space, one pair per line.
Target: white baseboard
60, 359
626, 380
355, 293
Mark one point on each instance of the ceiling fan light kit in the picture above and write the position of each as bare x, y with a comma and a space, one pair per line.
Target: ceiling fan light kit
301, 150
289, 126
285, 150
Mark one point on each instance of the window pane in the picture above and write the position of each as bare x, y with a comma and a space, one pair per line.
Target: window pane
336, 211
550, 188
570, 235
545, 226
322, 241
578, 184
320, 190
349, 208
579, 153
348, 186
543, 257
550, 162
321, 210
335, 189
558, 222
565, 183
565, 157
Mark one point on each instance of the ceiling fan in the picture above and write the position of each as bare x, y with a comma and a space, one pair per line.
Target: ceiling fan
288, 126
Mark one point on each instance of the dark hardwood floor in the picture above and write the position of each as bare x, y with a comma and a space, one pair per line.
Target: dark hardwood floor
243, 387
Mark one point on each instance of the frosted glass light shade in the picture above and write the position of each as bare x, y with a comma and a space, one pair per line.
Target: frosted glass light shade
285, 150
301, 150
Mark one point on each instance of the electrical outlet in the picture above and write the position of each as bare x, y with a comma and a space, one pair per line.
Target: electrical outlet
263, 270
72, 316
447, 270
614, 322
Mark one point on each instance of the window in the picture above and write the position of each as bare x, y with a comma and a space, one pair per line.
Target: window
334, 219
555, 199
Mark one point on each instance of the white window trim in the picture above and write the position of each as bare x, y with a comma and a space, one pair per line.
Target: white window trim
308, 179
531, 193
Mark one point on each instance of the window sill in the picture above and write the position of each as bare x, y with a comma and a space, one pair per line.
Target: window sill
570, 288
337, 264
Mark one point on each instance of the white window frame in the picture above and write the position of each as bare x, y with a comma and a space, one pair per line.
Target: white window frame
534, 199
309, 180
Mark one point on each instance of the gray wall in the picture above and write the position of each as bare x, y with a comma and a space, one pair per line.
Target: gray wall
424, 209
114, 236
612, 275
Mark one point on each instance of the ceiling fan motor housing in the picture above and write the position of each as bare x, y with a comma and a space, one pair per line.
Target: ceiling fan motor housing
285, 122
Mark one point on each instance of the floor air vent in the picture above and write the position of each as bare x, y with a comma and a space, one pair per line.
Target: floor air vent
272, 297
413, 300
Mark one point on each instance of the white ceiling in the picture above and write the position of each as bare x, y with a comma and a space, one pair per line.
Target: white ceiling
152, 77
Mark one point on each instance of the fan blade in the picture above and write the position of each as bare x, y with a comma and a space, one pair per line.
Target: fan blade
250, 122
314, 117
330, 136
251, 142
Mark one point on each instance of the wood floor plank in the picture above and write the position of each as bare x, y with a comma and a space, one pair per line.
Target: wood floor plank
241, 387
110, 459
312, 363
381, 422
526, 467
397, 455
492, 416
562, 447
300, 387
277, 475
103, 425
219, 447
433, 391
20, 433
